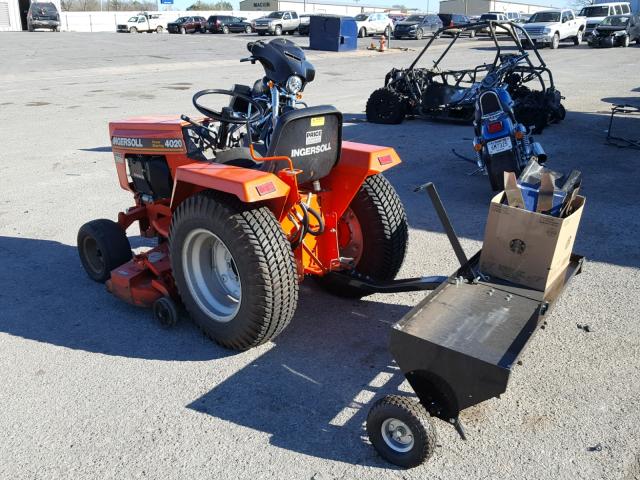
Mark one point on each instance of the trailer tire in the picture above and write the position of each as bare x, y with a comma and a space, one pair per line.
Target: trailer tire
393, 415
234, 269
386, 106
102, 245
374, 231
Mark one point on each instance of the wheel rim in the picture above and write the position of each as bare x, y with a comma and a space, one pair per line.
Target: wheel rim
211, 275
350, 236
397, 435
93, 255
247, 29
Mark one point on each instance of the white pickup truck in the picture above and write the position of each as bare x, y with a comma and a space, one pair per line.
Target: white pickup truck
142, 22
550, 27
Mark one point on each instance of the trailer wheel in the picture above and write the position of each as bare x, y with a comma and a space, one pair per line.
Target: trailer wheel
401, 430
374, 232
385, 106
234, 269
102, 246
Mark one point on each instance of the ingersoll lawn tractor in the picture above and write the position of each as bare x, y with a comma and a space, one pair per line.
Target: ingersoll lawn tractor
236, 230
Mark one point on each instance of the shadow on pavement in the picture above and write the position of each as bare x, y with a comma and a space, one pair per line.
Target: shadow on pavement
312, 391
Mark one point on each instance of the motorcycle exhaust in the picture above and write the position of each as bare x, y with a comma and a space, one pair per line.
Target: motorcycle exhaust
538, 152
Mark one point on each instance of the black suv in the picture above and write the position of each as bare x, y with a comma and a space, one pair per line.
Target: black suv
227, 23
453, 20
417, 26
43, 15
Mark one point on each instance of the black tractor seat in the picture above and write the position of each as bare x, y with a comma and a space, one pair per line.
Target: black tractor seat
311, 137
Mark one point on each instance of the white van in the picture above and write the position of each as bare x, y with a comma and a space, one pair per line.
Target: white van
597, 12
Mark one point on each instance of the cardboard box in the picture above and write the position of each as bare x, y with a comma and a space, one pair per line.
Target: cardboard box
525, 247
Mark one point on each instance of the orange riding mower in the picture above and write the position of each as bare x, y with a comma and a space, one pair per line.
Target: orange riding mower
236, 230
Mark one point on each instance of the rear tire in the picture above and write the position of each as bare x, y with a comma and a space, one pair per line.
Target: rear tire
385, 106
378, 234
578, 38
103, 246
401, 430
244, 294
472, 34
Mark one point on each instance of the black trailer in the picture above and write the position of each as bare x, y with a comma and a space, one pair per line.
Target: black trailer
456, 348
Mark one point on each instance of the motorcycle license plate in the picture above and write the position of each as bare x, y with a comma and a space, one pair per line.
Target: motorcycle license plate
500, 145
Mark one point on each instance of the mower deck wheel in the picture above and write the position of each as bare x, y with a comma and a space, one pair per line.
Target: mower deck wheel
102, 246
401, 430
374, 232
166, 312
386, 106
234, 269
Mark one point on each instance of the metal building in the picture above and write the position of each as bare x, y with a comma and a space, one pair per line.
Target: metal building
312, 6
478, 7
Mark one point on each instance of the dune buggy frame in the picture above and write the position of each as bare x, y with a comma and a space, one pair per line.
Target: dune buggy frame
450, 94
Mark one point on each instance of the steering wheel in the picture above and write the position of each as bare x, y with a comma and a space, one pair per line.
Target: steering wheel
227, 115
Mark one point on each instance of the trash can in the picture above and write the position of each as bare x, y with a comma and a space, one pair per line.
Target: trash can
333, 33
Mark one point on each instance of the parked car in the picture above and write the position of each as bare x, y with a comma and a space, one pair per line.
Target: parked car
616, 31
453, 20
188, 25
497, 16
277, 23
43, 15
374, 23
550, 27
305, 24
597, 13
416, 26
227, 24
142, 22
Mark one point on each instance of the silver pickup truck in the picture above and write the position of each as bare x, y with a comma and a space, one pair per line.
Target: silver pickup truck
277, 23
550, 27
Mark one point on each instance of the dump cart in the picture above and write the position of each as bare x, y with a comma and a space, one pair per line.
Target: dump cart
456, 348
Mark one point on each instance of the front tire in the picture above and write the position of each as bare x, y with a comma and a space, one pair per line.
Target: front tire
225, 30
234, 269
626, 41
401, 430
133, 30
374, 232
278, 31
183, 31
419, 34
102, 246
555, 43
385, 106
248, 29
362, 33
159, 29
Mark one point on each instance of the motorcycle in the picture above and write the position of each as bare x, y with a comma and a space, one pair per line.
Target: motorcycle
287, 73
501, 143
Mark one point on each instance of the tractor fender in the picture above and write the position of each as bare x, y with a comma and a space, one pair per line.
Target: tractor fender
250, 186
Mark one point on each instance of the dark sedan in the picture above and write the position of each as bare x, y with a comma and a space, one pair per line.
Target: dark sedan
616, 31
228, 24
188, 25
417, 26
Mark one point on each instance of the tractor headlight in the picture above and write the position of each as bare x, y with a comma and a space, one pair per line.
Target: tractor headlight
294, 84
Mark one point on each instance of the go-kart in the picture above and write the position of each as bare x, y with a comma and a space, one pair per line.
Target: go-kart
451, 94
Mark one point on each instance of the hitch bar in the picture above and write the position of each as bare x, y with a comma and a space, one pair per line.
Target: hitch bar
365, 283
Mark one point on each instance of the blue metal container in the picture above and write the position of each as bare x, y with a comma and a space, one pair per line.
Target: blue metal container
333, 33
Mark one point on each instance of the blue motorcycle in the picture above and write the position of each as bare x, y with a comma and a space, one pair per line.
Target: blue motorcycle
501, 143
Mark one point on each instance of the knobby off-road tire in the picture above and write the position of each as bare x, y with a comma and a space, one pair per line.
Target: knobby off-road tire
378, 214
386, 106
261, 260
102, 246
410, 416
